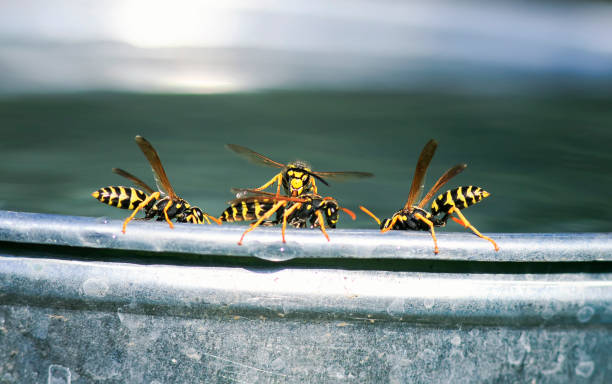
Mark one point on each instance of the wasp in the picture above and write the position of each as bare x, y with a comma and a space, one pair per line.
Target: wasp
130, 198
416, 218
163, 203
297, 177
307, 210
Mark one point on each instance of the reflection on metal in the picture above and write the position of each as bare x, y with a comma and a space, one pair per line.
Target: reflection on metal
66, 315
265, 242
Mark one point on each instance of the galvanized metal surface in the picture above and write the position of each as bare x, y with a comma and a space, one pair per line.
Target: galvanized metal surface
72, 318
265, 243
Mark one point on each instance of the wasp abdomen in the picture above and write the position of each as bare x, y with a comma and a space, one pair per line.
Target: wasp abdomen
246, 210
461, 198
120, 197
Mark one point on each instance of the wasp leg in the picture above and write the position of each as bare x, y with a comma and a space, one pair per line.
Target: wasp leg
431, 227
314, 186
390, 226
287, 213
207, 216
322, 226
265, 216
278, 178
456, 220
467, 224
166, 214
153, 196
367, 211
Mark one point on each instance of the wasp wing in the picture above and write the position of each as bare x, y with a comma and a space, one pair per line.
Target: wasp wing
245, 194
344, 175
133, 179
163, 184
253, 156
454, 171
419, 173
341, 176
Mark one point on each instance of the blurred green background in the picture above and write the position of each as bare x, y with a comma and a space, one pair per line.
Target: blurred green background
521, 92
544, 159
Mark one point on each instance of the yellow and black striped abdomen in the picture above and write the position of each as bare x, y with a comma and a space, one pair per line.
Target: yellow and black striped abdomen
246, 210
461, 198
120, 197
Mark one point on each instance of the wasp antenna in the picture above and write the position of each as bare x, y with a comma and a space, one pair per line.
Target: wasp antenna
349, 212
367, 211
318, 178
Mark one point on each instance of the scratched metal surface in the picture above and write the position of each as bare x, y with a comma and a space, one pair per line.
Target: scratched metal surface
75, 315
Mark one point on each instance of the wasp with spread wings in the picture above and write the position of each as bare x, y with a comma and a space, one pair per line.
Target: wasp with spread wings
297, 177
307, 210
163, 203
416, 218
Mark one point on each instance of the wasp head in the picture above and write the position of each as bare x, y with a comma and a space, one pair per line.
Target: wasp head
297, 178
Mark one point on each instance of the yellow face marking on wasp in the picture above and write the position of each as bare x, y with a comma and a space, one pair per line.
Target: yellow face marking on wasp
296, 183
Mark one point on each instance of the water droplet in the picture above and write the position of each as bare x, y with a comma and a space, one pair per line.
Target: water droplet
585, 314
58, 375
585, 368
456, 340
95, 287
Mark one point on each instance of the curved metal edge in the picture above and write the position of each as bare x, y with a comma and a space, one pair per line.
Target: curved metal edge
371, 296
265, 243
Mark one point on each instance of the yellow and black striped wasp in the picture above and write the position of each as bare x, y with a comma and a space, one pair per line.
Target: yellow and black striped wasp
307, 210
168, 207
297, 178
414, 217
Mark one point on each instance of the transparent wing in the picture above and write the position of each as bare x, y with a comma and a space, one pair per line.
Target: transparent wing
134, 179
454, 171
249, 195
163, 184
344, 175
419, 173
253, 156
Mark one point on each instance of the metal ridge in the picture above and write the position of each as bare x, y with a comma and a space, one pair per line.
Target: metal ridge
265, 243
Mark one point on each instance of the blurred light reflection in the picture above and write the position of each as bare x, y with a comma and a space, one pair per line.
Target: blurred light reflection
209, 46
